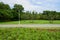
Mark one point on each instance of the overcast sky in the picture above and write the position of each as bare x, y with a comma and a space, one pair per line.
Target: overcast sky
36, 5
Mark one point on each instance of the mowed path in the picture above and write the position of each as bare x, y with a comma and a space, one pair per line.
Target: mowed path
30, 25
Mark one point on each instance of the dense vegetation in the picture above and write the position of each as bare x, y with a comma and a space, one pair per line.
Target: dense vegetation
8, 14
46, 15
17, 13
29, 34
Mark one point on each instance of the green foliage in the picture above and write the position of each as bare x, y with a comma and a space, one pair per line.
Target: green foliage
46, 15
5, 15
18, 8
29, 34
17, 13
4, 6
8, 14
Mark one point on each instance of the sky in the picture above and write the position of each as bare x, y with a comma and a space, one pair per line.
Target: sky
36, 5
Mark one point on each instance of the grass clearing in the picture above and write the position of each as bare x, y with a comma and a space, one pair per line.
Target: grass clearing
10, 22
29, 34
38, 22
31, 22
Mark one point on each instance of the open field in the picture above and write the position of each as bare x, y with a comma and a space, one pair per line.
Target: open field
31, 22
29, 34
10, 22
38, 22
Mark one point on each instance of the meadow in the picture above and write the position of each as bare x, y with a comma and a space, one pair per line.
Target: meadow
38, 22
29, 34
31, 22
10, 22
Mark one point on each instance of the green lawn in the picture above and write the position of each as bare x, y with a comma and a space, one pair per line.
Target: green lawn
10, 22
29, 34
31, 22
38, 22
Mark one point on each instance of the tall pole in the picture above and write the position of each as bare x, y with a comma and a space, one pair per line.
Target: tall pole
19, 17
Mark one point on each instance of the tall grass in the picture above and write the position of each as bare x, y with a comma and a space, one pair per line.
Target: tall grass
29, 34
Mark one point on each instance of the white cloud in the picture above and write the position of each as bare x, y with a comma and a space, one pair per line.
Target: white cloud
38, 2
27, 5
52, 1
10, 2
30, 7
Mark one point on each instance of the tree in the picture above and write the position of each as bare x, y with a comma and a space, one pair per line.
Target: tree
5, 12
50, 15
17, 11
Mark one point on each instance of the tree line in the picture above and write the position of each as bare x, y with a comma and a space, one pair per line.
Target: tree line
46, 15
17, 13
10, 14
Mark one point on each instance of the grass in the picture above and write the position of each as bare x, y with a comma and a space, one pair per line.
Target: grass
38, 22
31, 22
29, 34
10, 22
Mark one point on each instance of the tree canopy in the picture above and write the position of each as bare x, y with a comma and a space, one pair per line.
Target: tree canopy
17, 12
